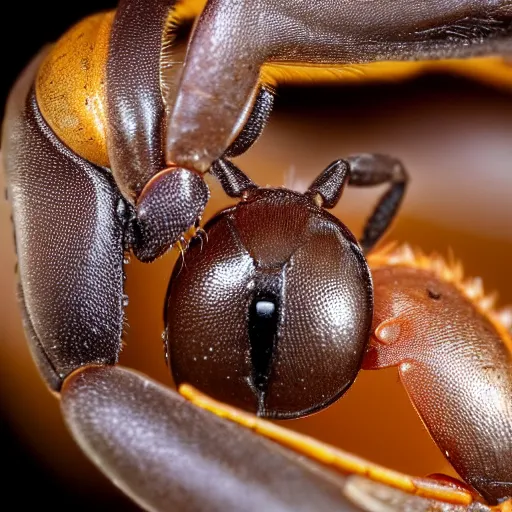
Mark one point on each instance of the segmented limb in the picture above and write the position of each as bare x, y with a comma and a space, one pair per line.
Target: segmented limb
233, 180
167, 454
365, 170
233, 40
371, 170
254, 125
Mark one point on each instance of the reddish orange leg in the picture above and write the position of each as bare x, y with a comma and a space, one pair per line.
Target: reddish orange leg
338, 459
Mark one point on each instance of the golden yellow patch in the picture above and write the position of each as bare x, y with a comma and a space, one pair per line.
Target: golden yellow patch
70, 87
495, 71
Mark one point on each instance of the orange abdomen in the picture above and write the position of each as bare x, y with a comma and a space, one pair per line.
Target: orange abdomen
455, 360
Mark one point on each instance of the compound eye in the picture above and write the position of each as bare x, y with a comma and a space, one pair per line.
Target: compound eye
324, 317
208, 306
280, 340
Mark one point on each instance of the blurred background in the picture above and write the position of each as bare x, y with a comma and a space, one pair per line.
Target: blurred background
454, 137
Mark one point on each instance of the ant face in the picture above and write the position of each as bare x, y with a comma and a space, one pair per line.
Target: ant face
273, 313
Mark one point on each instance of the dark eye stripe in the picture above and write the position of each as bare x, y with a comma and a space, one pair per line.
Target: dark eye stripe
264, 314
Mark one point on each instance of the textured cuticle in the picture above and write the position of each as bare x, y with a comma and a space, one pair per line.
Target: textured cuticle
164, 172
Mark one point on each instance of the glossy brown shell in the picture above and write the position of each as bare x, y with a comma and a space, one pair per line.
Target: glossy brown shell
325, 301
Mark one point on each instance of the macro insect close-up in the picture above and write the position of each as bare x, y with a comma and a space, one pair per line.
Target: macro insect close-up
190, 174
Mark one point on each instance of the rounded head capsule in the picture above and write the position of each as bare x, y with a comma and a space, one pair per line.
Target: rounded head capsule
273, 313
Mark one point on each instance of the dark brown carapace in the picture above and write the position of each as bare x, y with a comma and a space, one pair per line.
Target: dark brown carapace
273, 313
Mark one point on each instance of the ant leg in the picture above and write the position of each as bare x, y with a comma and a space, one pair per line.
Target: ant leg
372, 169
233, 180
364, 170
167, 454
255, 124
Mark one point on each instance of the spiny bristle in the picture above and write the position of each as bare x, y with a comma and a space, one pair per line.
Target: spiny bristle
447, 269
458, 271
474, 288
488, 302
167, 57
405, 255
171, 58
504, 316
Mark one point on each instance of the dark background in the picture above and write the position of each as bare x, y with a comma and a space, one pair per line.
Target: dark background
27, 26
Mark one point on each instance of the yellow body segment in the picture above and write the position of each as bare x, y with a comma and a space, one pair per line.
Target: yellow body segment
70, 84
495, 71
70, 87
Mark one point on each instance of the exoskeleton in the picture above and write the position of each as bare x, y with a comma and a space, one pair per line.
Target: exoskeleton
105, 144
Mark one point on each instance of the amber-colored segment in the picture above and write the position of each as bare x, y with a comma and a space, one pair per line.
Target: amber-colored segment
70, 87
506, 506
495, 71
321, 452
454, 358
187, 9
